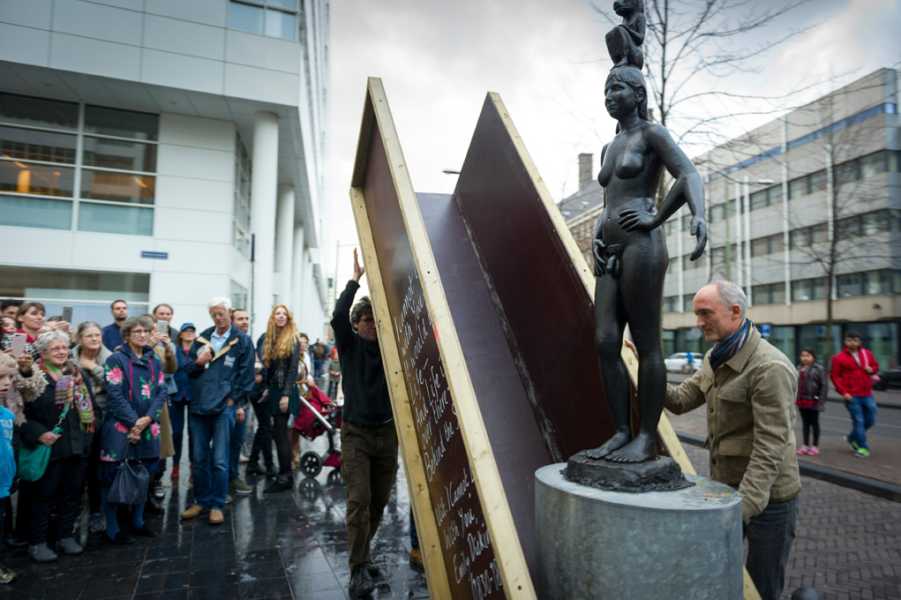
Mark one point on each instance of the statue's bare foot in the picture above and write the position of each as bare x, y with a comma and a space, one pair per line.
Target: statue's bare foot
619, 439
642, 448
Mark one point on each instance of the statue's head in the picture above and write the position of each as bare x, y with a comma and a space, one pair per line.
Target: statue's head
627, 8
631, 77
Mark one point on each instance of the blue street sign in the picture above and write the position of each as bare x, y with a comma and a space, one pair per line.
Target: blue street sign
766, 329
154, 254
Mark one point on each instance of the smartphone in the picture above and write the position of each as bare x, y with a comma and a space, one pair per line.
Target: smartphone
162, 327
67, 314
17, 344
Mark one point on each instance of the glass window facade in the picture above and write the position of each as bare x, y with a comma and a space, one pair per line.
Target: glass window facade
98, 167
241, 217
272, 18
88, 293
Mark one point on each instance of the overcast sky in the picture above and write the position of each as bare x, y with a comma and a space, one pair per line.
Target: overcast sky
548, 61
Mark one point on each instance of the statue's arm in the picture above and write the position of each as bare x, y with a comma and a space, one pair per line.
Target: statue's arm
688, 188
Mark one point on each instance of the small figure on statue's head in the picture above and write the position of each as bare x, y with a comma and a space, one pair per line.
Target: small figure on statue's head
624, 41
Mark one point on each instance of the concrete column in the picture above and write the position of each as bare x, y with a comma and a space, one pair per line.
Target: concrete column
297, 266
262, 215
284, 244
672, 545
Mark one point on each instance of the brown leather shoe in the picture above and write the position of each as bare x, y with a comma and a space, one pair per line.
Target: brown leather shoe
192, 512
216, 517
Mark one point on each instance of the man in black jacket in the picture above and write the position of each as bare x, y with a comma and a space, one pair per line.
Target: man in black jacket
368, 438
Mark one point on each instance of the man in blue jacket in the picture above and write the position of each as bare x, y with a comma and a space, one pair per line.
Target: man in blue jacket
221, 373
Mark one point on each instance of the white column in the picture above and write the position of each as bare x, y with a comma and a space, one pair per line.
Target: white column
746, 204
297, 266
739, 274
262, 215
786, 233
284, 243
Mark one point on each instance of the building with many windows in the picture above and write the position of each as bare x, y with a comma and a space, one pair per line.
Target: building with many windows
163, 151
803, 209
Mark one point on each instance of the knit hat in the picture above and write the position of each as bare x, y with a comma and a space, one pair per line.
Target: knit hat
8, 365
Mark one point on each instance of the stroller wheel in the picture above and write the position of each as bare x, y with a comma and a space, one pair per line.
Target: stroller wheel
334, 477
310, 464
309, 489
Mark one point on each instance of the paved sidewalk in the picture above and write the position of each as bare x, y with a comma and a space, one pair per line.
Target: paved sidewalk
883, 464
290, 545
848, 543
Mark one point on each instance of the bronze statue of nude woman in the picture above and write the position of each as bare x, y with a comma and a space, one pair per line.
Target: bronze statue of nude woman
631, 258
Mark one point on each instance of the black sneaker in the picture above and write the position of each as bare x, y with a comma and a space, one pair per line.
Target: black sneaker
254, 468
143, 532
119, 540
280, 484
360, 582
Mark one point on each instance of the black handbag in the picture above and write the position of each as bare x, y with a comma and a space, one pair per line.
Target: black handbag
130, 484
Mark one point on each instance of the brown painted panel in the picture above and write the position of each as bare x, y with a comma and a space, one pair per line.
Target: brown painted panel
468, 553
542, 302
515, 437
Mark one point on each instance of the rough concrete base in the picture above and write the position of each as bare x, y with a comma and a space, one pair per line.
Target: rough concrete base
683, 545
658, 475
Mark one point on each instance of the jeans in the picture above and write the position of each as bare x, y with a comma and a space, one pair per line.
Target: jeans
236, 440
863, 416
210, 463
810, 417
110, 511
177, 412
770, 535
369, 468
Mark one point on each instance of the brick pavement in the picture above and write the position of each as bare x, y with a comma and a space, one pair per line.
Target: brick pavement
848, 543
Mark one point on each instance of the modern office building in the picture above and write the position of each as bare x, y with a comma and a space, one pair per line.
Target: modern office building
811, 196
164, 151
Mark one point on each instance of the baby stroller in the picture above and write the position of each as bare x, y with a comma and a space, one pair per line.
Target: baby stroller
318, 414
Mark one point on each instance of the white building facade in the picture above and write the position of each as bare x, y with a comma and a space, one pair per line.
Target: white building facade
164, 151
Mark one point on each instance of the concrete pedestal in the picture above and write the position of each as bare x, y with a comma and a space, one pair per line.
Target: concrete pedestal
684, 545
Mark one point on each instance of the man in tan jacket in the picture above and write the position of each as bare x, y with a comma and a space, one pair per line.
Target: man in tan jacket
749, 387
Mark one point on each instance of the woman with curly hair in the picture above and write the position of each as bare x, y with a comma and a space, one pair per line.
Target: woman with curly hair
61, 416
135, 395
279, 351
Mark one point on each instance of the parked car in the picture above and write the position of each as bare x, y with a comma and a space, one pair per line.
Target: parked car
889, 380
683, 362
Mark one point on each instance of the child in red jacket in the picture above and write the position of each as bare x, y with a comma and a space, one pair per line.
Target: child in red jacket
853, 372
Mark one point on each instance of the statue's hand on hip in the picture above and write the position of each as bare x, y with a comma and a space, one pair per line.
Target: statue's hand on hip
637, 220
699, 230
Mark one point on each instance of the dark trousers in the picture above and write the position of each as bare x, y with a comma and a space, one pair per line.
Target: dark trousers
262, 440
92, 476
770, 535
177, 412
369, 469
281, 434
57, 492
810, 419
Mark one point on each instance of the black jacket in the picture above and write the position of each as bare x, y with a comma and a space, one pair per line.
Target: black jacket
366, 400
41, 416
281, 374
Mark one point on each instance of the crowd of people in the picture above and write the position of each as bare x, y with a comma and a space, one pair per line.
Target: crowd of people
92, 417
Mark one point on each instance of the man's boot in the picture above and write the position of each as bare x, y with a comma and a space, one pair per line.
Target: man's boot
361, 584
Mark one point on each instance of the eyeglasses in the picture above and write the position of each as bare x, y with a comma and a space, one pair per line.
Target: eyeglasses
139, 332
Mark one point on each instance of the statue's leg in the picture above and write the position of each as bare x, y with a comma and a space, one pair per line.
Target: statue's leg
642, 288
610, 323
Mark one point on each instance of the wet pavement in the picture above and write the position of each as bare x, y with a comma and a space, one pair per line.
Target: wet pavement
285, 545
